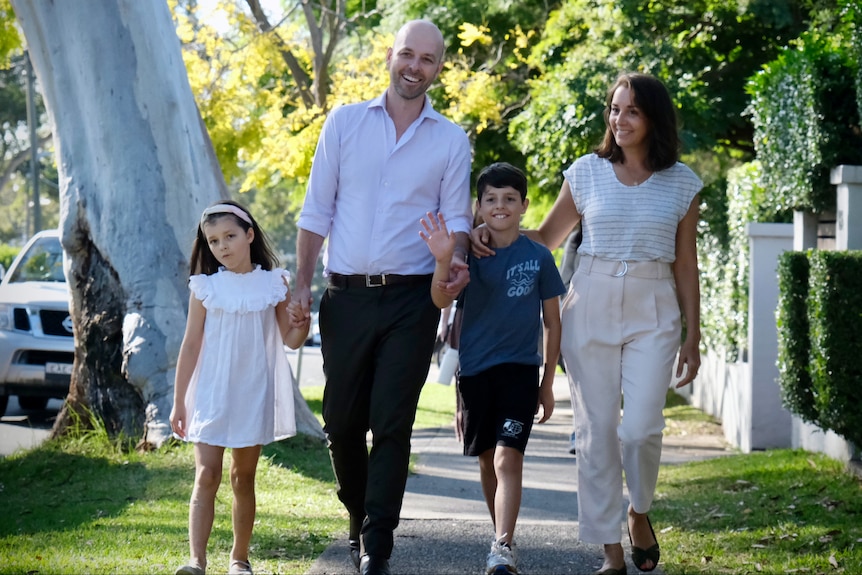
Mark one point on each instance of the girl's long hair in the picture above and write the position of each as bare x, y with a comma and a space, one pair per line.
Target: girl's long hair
651, 96
204, 262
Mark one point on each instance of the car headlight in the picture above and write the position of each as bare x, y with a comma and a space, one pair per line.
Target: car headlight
6, 321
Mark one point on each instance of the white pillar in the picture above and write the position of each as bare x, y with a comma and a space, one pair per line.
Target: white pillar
848, 225
769, 423
804, 231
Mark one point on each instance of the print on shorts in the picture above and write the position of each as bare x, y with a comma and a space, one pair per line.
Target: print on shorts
512, 428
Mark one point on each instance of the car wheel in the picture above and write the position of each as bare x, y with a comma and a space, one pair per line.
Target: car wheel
32, 403
4, 401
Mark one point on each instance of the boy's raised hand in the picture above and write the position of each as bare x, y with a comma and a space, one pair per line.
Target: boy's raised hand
439, 239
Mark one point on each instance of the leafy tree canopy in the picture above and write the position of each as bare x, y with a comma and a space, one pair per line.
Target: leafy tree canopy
704, 50
10, 39
15, 181
264, 130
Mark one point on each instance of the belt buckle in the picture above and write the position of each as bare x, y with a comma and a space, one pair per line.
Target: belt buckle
625, 269
370, 280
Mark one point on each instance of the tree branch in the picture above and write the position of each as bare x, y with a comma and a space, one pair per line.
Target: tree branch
19, 159
300, 77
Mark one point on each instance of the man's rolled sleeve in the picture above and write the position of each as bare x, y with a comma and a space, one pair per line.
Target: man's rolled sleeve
455, 199
318, 208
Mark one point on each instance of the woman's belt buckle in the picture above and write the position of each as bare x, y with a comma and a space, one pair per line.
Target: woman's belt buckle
622, 272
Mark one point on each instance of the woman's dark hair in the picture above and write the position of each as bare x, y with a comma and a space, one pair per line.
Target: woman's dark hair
204, 262
651, 96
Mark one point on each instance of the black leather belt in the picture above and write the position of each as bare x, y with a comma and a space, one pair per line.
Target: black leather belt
378, 280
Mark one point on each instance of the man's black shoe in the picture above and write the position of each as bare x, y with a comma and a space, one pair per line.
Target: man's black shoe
354, 551
373, 565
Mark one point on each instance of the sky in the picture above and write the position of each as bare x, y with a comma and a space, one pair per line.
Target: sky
214, 18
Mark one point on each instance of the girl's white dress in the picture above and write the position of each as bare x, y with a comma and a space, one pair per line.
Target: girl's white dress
241, 391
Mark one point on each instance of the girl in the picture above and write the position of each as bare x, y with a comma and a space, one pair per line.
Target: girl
234, 386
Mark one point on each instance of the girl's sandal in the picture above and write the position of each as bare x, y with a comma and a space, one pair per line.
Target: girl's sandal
238, 567
190, 570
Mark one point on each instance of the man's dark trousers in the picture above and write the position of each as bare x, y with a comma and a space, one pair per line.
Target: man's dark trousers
376, 344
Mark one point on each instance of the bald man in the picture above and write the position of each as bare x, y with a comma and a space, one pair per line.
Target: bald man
379, 167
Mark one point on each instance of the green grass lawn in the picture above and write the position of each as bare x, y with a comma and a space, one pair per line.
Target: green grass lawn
779, 511
85, 506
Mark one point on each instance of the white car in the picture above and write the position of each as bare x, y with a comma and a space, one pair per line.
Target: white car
37, 346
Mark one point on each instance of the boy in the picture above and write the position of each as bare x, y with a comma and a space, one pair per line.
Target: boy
499, 345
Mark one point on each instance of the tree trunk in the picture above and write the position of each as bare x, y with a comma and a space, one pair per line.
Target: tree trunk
136, 169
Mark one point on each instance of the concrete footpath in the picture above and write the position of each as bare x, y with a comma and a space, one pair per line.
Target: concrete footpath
445, 527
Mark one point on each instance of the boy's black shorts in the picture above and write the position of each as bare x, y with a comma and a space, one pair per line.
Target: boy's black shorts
499, 405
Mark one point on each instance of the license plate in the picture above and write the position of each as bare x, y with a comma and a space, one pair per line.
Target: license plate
58, 368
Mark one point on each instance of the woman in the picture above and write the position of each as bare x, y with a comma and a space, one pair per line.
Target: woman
636, 281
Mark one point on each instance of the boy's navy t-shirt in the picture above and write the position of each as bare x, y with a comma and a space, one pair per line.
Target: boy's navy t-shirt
503, 305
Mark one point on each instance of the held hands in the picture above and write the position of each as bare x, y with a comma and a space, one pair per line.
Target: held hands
442, 243
302, 298
297, 316
459, 277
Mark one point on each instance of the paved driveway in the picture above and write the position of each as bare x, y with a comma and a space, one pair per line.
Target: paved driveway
24, 429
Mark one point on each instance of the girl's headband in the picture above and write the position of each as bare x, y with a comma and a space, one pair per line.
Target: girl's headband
222, 209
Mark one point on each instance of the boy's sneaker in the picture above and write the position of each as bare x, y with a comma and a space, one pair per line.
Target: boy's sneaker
501, 559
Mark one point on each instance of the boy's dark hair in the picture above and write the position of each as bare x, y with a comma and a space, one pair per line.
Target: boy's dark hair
203, 261
501, 175
653, 99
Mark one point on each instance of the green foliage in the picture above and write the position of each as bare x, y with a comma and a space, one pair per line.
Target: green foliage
500, 16
806, 120
562, 122
819, 313
7, 254
15, 183
13, 95
724, 262
794, 344
835, 313
702, 49
10, 39
484, 85
852, 17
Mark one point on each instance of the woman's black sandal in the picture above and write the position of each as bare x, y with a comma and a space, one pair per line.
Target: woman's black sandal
641, 556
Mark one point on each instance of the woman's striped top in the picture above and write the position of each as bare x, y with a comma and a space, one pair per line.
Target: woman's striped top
634, 223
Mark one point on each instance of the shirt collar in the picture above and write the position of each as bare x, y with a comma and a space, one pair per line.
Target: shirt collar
428, 110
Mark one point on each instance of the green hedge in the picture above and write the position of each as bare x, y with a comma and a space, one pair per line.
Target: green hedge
835, 314
806, 120
824, 387
794, 343
852, 16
